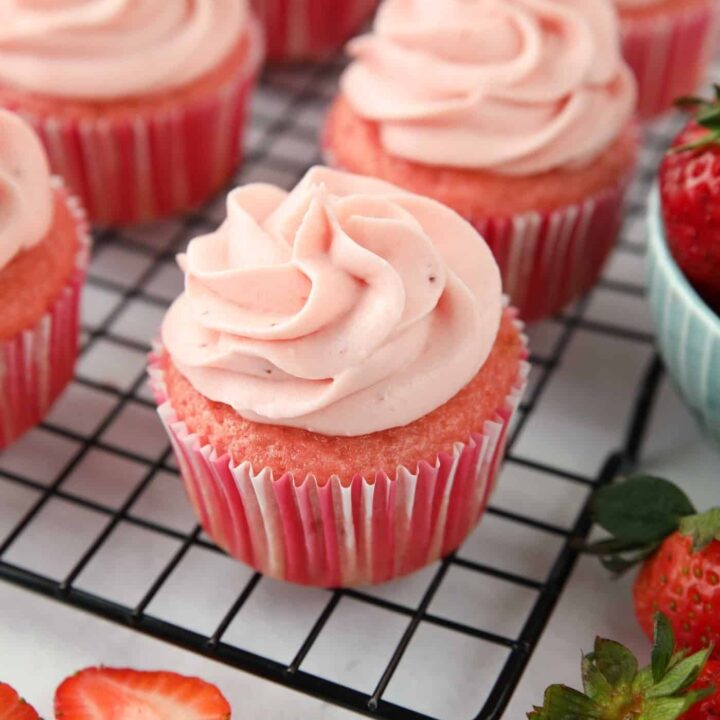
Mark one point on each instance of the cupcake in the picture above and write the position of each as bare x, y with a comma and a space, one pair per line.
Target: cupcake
516, 114
43, 255
308, 29
338, 379
668, 44
140, 103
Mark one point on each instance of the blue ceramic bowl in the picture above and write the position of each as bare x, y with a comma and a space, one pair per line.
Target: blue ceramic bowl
687, 330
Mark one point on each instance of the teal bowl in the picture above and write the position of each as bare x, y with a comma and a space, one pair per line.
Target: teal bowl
687, 330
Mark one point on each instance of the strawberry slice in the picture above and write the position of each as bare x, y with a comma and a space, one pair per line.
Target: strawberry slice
121, 694
13, 707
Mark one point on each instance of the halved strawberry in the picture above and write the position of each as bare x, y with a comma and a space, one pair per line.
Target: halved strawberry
13, 707
116, 694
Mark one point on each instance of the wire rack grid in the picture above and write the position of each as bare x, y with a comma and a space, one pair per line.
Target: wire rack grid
92, 514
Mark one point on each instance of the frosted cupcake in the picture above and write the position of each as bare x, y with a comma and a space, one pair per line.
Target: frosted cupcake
669, 45
338, 379
140, 103
43, 255
309, 29
517, 114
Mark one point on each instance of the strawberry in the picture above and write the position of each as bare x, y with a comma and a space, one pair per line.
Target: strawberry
13, 707
708, 708
690, 192
654, 523
615, 688
110, 694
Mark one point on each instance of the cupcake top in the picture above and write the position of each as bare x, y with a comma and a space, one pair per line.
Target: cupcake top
344, 307
517, 87
636, 4
26, 197
105, 49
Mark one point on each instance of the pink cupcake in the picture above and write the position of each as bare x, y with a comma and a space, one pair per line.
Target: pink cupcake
517, 114
338, 379
43, 255
308, 29
669, 45
140, 103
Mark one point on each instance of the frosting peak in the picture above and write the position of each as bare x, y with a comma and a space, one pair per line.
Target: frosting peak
345, 307
514, 86
102, 49
26, 198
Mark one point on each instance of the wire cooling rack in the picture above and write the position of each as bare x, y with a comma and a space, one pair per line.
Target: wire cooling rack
92, 511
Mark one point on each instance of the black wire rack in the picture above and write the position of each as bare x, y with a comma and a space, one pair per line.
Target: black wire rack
90, 472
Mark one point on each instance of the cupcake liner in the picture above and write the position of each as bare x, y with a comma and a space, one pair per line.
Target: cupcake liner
548, 260
670, 54
37, 364
157, 162
334, 534
687, 331
305, 29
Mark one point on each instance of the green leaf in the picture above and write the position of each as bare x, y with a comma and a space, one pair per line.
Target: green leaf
611, 546
663, 647
595, 684
615, 662
643, 681
680, 677
664, 709
641, 510
619, 564
703, 528
564, 703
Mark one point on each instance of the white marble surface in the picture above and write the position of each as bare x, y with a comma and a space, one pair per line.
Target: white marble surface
593, 604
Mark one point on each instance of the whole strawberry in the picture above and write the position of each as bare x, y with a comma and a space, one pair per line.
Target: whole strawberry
690, 192
654, 523
708, 708
615, 688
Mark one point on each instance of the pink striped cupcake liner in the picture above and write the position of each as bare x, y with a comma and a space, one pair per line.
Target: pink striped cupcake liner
170, 159
334, 534
37, 364
670, 54
305, 29
549, 260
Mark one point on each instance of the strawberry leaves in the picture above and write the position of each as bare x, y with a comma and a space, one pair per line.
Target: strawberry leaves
663, 647
616, 689
703, 528
639, 514
707, 116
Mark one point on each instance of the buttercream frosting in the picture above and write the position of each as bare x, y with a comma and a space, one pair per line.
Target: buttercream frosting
102, 49
26, 197
514, 86
635, 4
345, 307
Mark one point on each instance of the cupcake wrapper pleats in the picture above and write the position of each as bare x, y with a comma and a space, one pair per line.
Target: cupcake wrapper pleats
37, 364
548, 260
154, 163
304, 29
333, 535
670, 54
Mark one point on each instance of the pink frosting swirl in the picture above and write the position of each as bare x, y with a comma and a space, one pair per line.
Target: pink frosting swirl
514, 86
345, 307
635, 4
104, 49
26, 198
